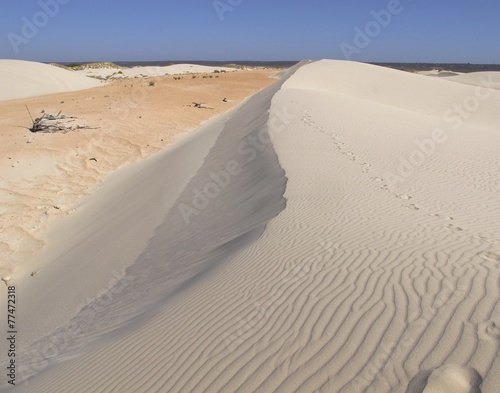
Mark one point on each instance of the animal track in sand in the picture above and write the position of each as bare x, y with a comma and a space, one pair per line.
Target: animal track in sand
490, 256
413, 207
350, 155
487, 255
454, 228
366, 167
489, 331
403, 196
307, 120
441, 216
485, 239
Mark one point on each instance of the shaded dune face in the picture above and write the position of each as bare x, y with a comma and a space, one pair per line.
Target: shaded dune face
187, 245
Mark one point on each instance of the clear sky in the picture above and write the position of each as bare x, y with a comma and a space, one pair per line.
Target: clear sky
120, 30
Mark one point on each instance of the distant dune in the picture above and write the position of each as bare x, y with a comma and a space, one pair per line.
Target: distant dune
485, 79
20, 79
336, 232
106, 72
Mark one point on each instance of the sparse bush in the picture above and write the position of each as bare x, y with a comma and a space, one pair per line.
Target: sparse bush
152, 83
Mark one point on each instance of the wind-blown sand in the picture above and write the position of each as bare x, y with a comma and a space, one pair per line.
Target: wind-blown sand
356, 250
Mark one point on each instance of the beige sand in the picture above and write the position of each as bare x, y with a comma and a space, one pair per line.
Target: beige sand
43, 175
357, 252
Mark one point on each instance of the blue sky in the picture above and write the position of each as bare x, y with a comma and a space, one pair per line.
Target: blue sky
119, 30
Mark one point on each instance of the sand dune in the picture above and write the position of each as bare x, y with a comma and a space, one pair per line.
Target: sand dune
151, 71
484, 79
438, 73
43, 176
320, 237
20, 79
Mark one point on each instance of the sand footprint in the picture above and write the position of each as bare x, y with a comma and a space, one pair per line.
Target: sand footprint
440, 216
454, 228
487, 240
366, 167
489, 330
483, 239
490, 256
403, 196
413, 207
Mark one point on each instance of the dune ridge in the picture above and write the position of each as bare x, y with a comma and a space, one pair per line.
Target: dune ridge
44, 176
188, 248
358, 284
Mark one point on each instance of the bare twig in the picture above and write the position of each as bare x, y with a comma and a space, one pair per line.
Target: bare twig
201, 105
55, 123
29, 113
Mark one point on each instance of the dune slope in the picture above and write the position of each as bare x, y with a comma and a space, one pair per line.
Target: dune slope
20, 79
484, 79
362, 257
157, 248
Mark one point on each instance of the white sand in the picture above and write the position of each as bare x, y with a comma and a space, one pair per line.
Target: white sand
151, 71
20, 79
438, 73
489, 79
310, 270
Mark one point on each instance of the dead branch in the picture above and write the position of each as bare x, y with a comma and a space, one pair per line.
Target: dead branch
29, 113
201, 105
55, 123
